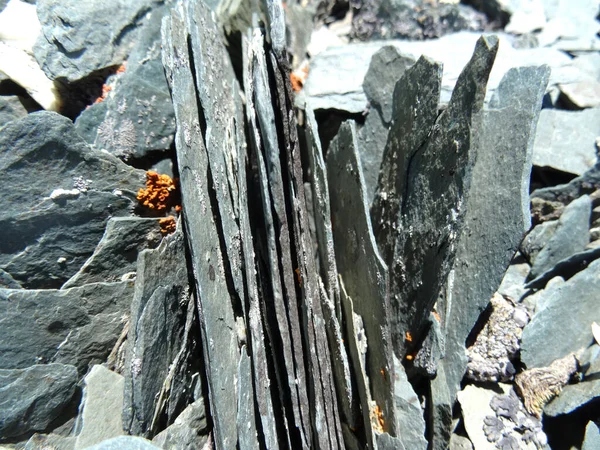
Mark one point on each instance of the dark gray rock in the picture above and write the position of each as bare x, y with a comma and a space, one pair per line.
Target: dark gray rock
188, 432
564, 140
372, 137
11, 108
441, 399
572, 397
157, 334
116, 254
125, 443
565, 320
513, 283
537, 239
570, 236
75, 326
246, 421
62, 195
500, 183
32, 398
591, 440
101, 407
566, 268
408, 411
589, 363
8, 282
137, 117
362, 269
78, 37
432, 349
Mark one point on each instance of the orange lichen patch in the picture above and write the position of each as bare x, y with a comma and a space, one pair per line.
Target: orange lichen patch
382, 372
377, 419
437, 316
158, 193
298, 276
410, 357
105, 90
167, 225
298, 77
121, 68
408, 336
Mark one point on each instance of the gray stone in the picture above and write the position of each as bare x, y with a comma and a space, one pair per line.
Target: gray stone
124, 443
39, 441
408, 411
101, 407
62, 195
116, 254
372, 137
432, 349
79, 37
500, 183
591, 440
188, 432
589, 363
565, 140
31, 398
513, 282
217, 320
362, 269
137, 117
572, 397
570, 237
458, 442
385, 69
8, 282
440, 415
11, 108
75, 326
246, 420
537, 239
585, 94
564, 324
566, 268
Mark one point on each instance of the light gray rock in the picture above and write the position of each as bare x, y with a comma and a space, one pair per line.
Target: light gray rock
590, 363
38, 441
458, 442
117, 252
564, 324
79, 37
537, 239
31, 398
565, 268
408, 411
584, 94
76, 326
125, 443
62, 195
570, 237
591, 440
572, 397
11, 108
188, 432
440, 418
101, 407
565, 140
513, 282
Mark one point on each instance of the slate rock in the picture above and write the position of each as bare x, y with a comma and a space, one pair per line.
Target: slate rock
117, 252
537, 239
75, 326
8, 282
589, 363
458, 442
62, 195
513, 282
591, 440
372, 137
80, 37
11, 108
136, 119
565, 140
500, 182
564, 194
188, 432
565, 321
584, 94
440, 418
31, 398
101, 407
38, 441
570, 237
124, 443
572, 397
409, 412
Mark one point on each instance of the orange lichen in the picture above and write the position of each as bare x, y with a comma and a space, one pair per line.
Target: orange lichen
298, 77
298, 276
121, 68
437, 316
377, 419
167, 225
158, 193
410, 357
105, 90
382, 372
408, 336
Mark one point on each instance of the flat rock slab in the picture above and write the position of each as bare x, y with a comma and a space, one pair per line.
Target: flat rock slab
32, 398
188, 432
79, 37
591, 440
62, 194
125, 443
565, 140
573, 396
564, 324
76, 326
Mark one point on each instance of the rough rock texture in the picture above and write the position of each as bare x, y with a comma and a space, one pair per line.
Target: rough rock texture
537, 239
565, 140
100, 408
592, 437
573, 396
116, 254
31, 398
79, 37
52, 220
570, 237
11, 108
565, 320
188, 432
76, 326
124, 442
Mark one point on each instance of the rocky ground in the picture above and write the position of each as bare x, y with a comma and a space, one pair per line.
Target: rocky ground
321, 224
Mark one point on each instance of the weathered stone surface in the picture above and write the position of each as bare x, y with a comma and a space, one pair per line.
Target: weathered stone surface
362, 269
79, 37
565, 321
217, 319
408, 411
440, 416
53, 219
570, 237
537, 239
101, 407
76, 326
11, 108
584, 94
573, 396
513, 282
188, 432
458, 442
592, 437
116, 254
372, 137
565, 268
124, 443
38, 441
432, 349
8, 282
137, 116
565, 140
246, 421
31, 398
587, 183
590, 362
490, 238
